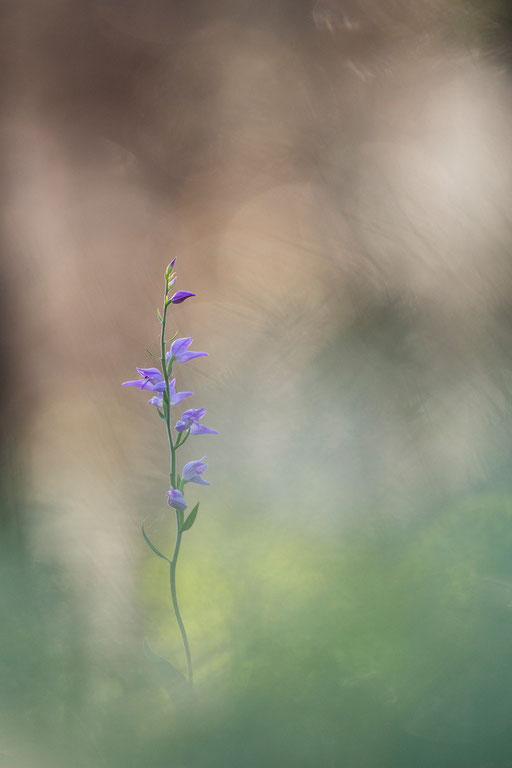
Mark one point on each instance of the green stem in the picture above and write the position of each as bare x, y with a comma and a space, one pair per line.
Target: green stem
172, 472
172, 580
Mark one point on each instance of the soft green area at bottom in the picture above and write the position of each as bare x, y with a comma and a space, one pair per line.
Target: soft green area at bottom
386, 644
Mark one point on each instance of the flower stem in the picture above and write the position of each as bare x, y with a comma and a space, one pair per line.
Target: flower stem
172, 472
172, 580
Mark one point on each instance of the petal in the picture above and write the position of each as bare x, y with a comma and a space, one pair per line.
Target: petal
186, 356
199, 480
200, 429
193, 468
177, 397
153, 374
194, 414
180, 345
139, 383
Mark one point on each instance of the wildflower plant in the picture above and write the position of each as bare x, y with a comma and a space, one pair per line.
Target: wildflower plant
164, 397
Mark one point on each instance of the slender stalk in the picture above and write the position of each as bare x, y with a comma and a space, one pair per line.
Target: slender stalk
172, 473
172, 580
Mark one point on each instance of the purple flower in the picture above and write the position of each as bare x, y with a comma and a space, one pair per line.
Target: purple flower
174, 397
150, 378
190, 420
176, 499
193, 470
154, 381
179, 351
180, 296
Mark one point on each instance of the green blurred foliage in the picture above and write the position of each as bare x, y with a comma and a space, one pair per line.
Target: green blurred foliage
389, 645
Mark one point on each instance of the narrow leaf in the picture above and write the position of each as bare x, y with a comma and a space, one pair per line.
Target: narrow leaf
152, 546
159, 315
150, 353
189, 522
171, 339
161, 414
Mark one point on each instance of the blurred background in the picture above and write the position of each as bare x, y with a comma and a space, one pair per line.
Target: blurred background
335, 179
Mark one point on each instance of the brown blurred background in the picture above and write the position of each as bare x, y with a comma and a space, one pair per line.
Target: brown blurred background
335, 180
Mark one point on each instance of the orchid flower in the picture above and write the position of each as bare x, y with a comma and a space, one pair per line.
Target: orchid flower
174, 397
179, 351
190, 421
193, 470
150, 378
176, 500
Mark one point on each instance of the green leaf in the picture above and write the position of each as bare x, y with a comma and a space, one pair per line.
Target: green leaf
150, 353
161, 414
159, 315
171, 339
152, 546
189, 522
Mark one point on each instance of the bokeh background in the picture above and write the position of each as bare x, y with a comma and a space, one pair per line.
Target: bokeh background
335, 180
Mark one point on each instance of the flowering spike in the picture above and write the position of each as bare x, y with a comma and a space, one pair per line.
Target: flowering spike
164, 396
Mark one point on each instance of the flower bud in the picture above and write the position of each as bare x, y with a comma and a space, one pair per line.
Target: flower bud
180, 296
